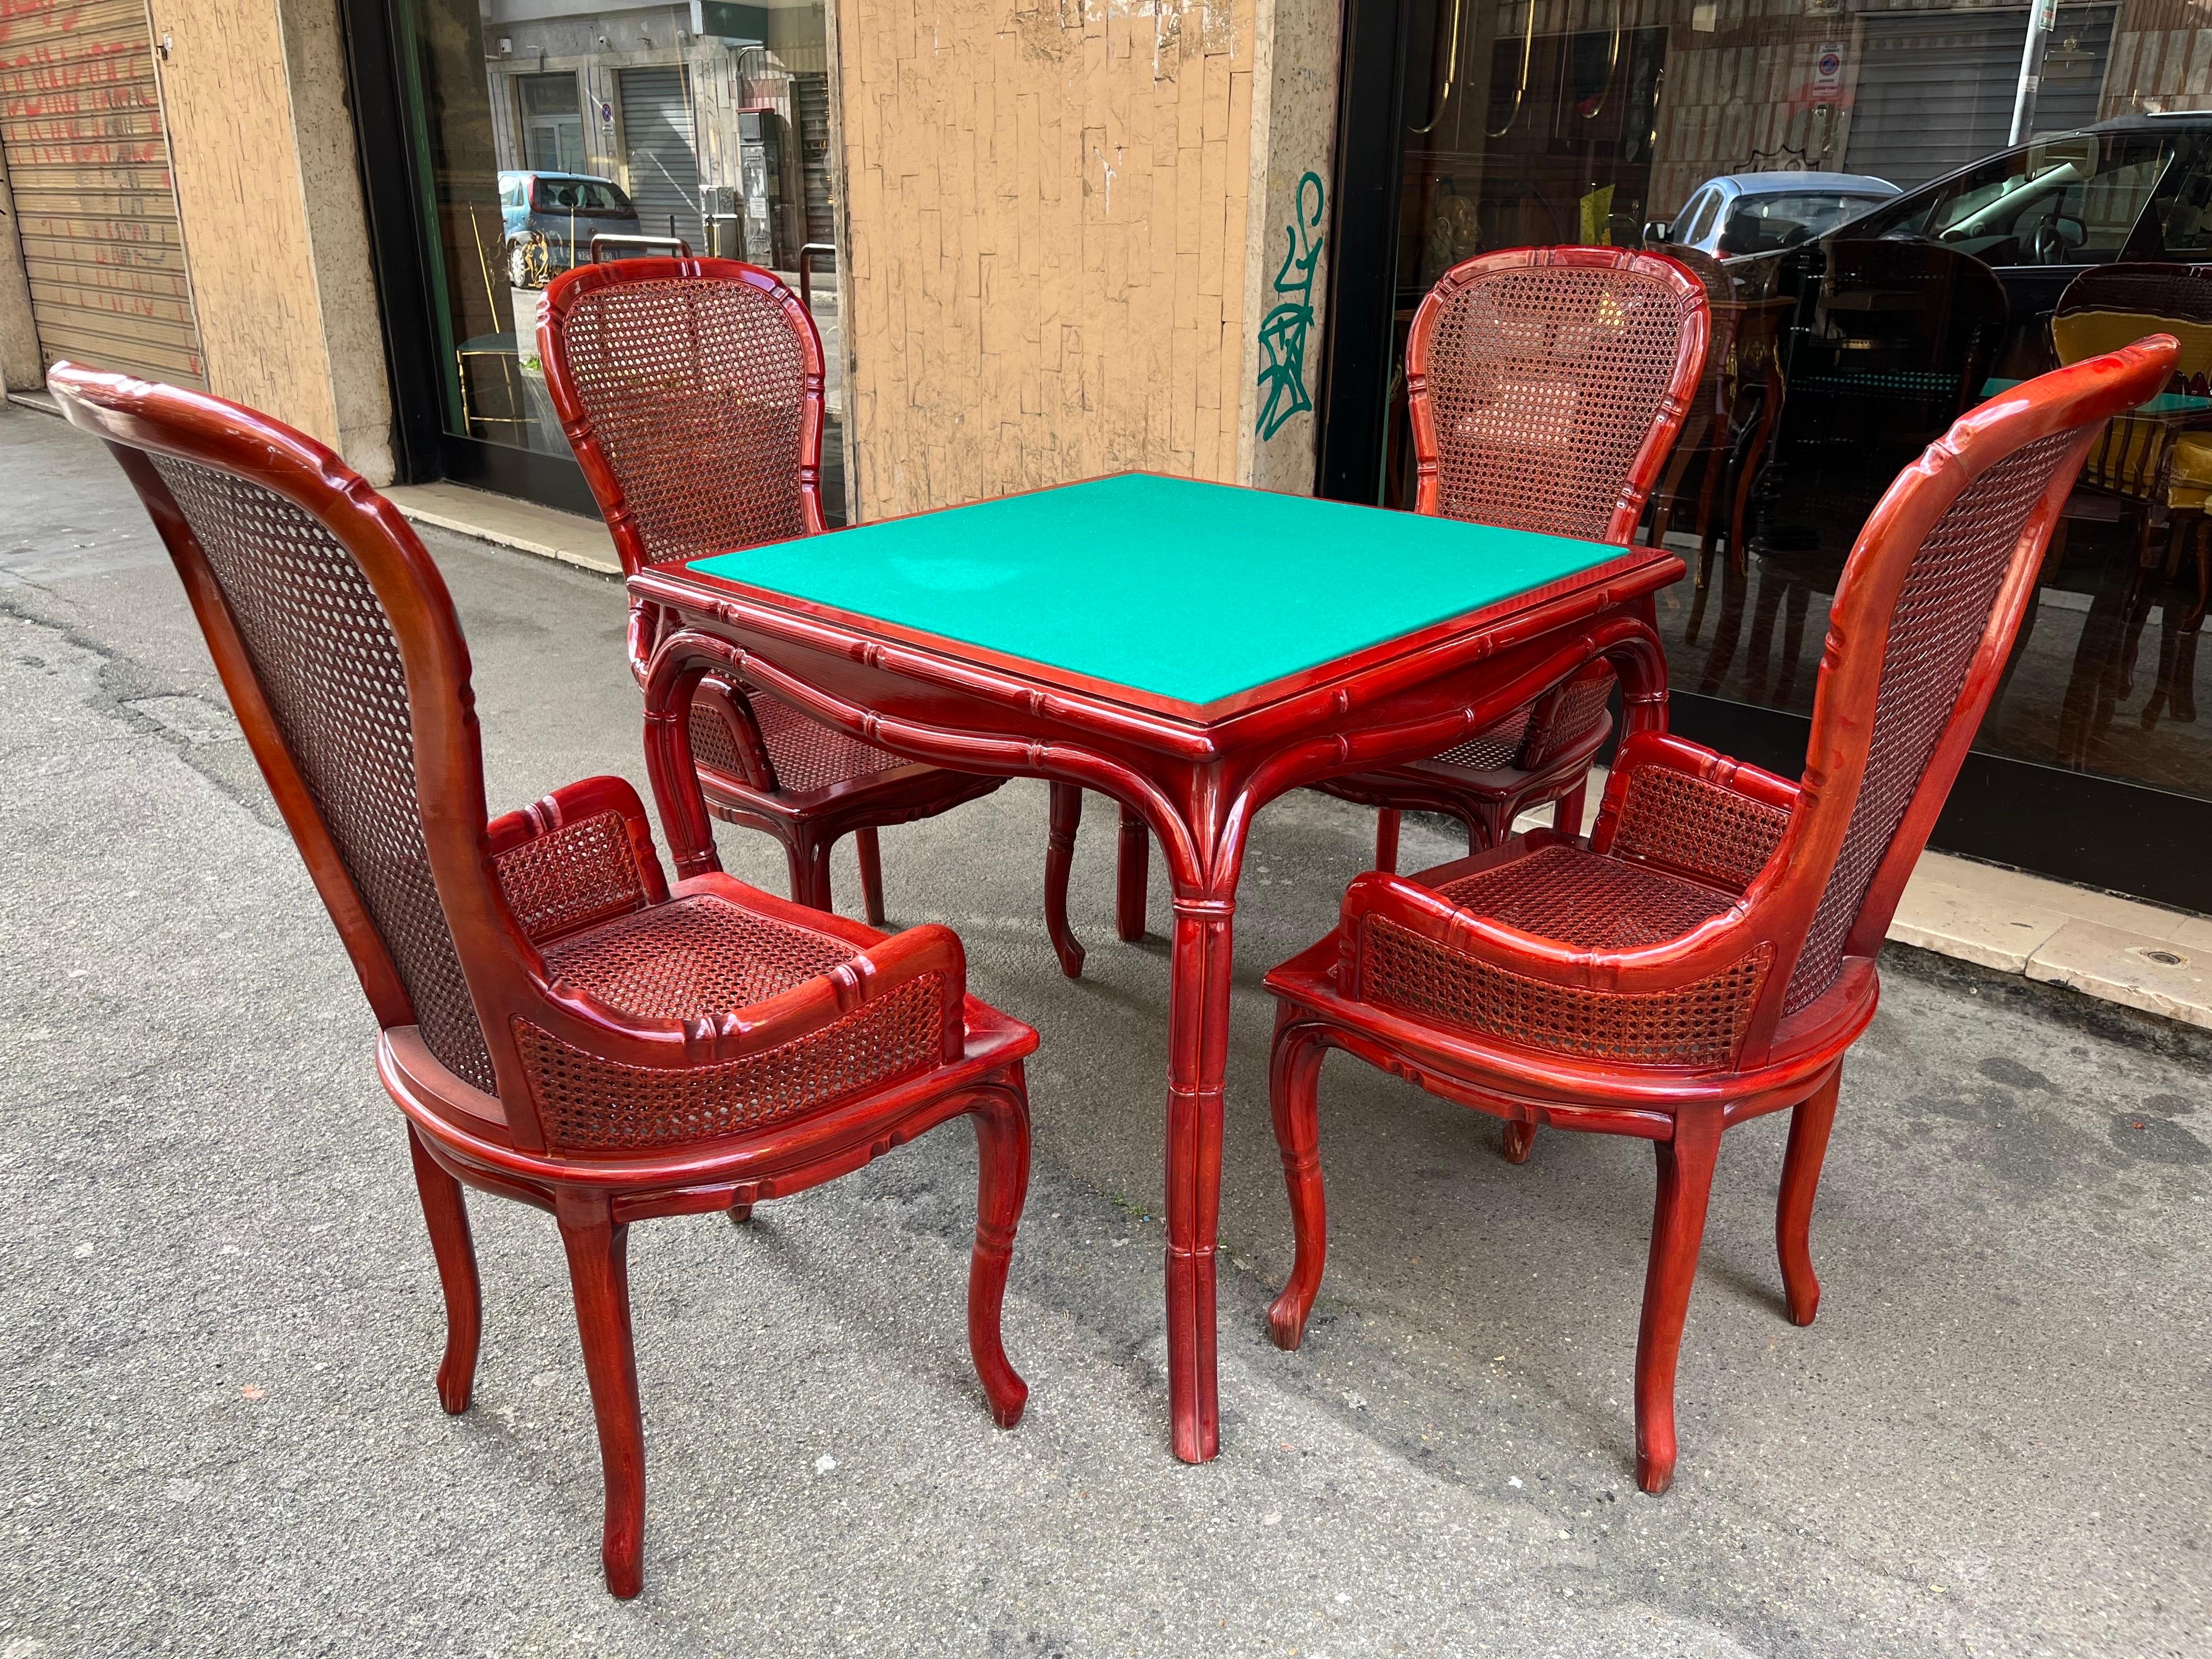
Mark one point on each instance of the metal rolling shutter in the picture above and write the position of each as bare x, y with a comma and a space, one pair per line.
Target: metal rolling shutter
1935, 92
812, 94
96, 208
663, 167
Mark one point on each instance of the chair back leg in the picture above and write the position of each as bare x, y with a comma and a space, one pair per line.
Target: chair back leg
446, 1212
599, 1269
1793, 1210
1678, 1230
1001, 1112
1516, 1140
1065, 818
1293, 1094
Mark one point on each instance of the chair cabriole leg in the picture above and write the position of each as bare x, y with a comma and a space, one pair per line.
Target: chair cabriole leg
1516, 1141
1065, 817
1678, 1229
446, 1212
1793, 1210
1386, 841
1130, 874
1293, 1095
599, 1269
1001, 1116
871, 854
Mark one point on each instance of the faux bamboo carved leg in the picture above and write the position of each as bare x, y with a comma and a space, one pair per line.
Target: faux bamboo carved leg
1678, 1229
1516, 1141
1131, 875
1793, 1212
1002, 1149
1386, 841
871, 855
446, 1212
1488, 825
1066, 815
1198, 998
1293, 1091
599, 1269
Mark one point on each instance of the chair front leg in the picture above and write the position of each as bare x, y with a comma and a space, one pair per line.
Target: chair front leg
599, 1269
871, 854
1386, 841
1293, 1094
1064, 819
1800, 1179
1001, 1116
446, 1212
807, 854
1678, 1229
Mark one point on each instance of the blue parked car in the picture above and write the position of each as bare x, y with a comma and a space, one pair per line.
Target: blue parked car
1745, 213
551, 217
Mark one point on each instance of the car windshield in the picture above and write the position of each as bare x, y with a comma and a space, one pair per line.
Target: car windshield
2076, 199
594, 196
1761, 224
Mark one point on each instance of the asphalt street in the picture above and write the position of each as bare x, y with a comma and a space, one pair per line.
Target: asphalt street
219, 1318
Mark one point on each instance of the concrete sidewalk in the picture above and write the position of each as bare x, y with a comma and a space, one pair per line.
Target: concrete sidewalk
218, 1330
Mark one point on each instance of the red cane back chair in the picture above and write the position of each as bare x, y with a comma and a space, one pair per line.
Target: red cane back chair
1707, 954
558, 1024
1545, 387
691, 393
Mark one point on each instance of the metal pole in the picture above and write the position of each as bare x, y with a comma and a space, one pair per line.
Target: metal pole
2040, 17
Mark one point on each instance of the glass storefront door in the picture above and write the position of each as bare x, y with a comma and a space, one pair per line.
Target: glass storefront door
1896, 217
507, 141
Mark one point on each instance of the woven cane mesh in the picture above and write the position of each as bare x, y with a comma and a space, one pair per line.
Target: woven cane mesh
711, 741
1941, 613
1581, 706
693, 956
1586, 900
324, 653
587, 1102
571, 877
1697, 1025
806, 754
1495, 747
696, 391
1546, 380
809, 754
1706, 828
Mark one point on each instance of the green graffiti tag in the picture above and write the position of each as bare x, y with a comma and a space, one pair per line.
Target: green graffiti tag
1282, 331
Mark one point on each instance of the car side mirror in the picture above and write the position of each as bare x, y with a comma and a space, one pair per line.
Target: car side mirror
1657, 231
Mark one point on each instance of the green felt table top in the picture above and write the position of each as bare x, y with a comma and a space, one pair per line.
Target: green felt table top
1190, 591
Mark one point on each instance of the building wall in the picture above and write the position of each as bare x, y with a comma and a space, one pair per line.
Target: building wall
1051, 237
262, 149
20, 369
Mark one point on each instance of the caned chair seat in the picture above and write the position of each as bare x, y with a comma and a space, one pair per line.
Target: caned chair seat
558, 1023
1545, 387
1706, 956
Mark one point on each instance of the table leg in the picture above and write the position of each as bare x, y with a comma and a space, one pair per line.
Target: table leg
1197, 1024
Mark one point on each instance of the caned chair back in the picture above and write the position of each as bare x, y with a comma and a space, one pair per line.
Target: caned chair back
691, 393
337, 643
1924, 620
1546, 386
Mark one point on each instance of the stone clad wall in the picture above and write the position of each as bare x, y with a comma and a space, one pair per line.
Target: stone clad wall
1050, 221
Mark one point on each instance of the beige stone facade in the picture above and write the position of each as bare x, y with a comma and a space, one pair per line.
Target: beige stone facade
1063, 236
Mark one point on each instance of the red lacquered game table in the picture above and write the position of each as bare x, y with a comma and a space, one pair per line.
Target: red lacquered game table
1193, 650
